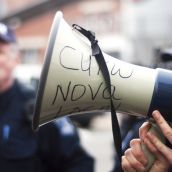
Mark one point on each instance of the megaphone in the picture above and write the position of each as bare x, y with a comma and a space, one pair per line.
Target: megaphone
71, 81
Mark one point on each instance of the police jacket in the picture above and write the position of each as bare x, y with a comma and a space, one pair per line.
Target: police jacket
55, 147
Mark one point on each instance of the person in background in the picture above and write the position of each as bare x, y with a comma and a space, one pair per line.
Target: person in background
54, 147
134, 158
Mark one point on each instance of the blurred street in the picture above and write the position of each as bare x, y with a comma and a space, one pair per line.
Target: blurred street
98, 141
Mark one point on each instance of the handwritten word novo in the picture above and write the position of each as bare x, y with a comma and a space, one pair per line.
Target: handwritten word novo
77, 91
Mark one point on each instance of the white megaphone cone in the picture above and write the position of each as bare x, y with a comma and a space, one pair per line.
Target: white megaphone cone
72, 83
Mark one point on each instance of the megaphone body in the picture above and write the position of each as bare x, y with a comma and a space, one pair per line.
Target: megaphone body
72, 82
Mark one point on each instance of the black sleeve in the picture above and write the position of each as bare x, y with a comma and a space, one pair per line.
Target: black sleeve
61, 149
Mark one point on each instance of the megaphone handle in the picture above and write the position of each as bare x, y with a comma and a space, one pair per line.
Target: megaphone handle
151, 158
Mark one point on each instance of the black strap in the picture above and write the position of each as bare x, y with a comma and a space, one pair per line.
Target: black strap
96, 51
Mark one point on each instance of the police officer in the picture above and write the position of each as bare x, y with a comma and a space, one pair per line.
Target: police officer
55, 147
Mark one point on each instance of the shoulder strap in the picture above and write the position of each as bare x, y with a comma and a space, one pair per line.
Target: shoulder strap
96, 51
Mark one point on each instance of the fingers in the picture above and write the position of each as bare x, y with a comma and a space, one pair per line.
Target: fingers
151, 146
161, 163
166, 129
155, 146
132, 159
137, 151
126, 166
144, 129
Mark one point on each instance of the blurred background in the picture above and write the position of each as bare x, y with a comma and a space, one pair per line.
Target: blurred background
136, 31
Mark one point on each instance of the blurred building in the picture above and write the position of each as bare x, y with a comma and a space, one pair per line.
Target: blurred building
131, 30
32, 21
148, 25
11, 6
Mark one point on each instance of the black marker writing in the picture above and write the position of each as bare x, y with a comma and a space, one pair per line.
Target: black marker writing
59, 87
92, 94
106, 94
89, 65
75, 89
61, 58
80, 109
86, 65
118, 71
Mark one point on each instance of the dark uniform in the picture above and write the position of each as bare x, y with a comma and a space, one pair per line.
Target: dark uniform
55, 147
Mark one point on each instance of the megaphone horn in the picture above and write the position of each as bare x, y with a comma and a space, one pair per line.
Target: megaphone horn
71, 81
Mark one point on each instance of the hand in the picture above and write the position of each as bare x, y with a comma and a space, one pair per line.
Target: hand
162, 152
134, 158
